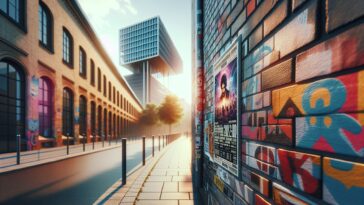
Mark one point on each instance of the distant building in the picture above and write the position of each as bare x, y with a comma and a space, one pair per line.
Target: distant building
146, 49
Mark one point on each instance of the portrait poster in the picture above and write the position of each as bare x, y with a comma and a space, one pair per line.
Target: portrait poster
225, 136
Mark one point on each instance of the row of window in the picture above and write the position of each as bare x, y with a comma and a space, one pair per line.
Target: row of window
140, 47
13, 104
140, 55
140, 39
139, 26
46, 40
140, 32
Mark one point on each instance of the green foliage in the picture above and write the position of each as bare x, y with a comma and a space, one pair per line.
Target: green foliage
170, 111
149, 116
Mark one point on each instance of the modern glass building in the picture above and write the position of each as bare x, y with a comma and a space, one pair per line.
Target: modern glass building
146, 49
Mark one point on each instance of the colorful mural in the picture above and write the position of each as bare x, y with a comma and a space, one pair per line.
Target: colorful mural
301, 170
283, 196
341, 94
335, 133
343, 182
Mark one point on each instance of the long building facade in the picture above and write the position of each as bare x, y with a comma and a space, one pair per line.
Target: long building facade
56, 79
279, 101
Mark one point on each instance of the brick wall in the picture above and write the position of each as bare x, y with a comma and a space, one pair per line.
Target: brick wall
302, 139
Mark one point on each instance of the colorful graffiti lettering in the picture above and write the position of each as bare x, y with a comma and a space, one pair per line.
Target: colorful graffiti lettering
343, 182
301, 170
336, 133
283, 196
278, 134
341, 94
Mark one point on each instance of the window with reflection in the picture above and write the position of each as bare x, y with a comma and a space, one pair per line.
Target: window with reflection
83, 60
45, 107
12, 105
92, 70
93, 118
14, 10
67, 48
45, 26
99, 121
83, 116
67, 113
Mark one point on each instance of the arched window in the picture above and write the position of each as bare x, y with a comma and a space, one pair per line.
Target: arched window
93, 118
99, 121
92, 70
83, 63
83, 115
12, 105
104, 86
67, 48
99, 79
45, 107
45, 28
67, 114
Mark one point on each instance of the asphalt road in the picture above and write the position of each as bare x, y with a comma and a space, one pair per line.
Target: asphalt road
78, 180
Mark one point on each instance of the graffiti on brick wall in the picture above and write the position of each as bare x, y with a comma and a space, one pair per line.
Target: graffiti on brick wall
342, 52
336, 133
257, 182
279, 134
251, 86
260, 200
341, 94
283, 196
343, 181
33, 119
301, 170
254, 102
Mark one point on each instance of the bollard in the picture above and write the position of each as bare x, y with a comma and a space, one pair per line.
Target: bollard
123, 161
18, 145
93, 141
109, 140
143, 150
163, 141
68, 143
84, 142
103, 140
159, 142
153, 145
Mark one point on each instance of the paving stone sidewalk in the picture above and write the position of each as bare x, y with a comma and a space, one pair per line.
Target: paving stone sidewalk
165, 180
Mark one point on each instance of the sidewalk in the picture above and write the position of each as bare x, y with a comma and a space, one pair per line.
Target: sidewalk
165, 180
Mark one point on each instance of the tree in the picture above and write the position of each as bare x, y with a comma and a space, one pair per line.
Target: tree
149, 115
170, 111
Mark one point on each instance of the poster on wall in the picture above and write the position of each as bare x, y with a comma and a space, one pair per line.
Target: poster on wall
225, 136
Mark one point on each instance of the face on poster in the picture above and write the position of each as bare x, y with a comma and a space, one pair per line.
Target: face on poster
225, 136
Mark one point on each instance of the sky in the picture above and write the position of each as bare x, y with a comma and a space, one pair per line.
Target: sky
107, 17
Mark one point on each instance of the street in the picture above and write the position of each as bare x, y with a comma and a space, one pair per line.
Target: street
78, 180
